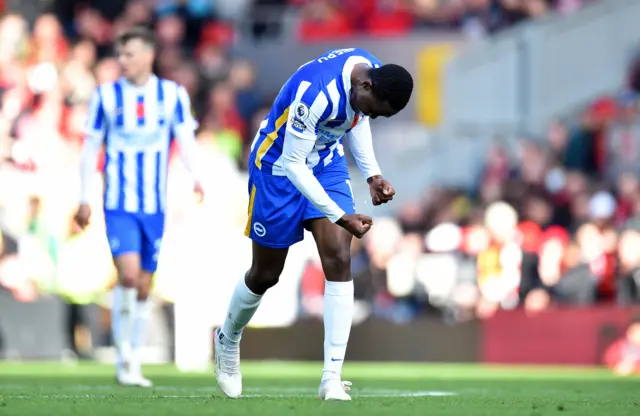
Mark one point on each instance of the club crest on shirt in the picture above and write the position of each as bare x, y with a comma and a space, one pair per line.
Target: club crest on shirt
259, 229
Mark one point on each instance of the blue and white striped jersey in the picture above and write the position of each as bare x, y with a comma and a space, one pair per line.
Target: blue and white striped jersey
313, 104
137, 125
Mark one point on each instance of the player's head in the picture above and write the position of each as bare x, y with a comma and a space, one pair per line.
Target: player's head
136, 51
383, 92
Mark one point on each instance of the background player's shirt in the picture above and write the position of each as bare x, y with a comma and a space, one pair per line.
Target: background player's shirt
137, 125
313, 104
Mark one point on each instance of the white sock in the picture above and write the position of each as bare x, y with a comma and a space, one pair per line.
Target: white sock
244, 304
140, 324
122, 311
338, 313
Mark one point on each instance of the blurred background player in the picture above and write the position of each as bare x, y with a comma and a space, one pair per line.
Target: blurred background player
298, 178
136, 118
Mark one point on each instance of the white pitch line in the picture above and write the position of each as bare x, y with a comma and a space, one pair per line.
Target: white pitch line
253, 392
97, 396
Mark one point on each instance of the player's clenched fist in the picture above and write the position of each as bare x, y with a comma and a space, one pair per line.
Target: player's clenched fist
381, 190
83, 215
356, 224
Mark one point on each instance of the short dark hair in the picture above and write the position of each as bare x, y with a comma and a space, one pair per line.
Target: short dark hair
138, 32
392, 83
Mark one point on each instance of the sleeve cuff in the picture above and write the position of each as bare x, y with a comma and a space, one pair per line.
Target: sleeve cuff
336, 215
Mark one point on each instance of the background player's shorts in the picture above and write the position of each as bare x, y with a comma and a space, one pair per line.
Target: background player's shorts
135, 233
277, 210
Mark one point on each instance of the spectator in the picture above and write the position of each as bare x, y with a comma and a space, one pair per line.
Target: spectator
324, 20
629, 266
224, 119
561, 273
499, 266
623, 357
137, 12
90, 24
623, 139
107, 70
213, 63
13, 38
242, 79
628, 188
533, 165
557, 139
187, 74
194, 13
169, 60
585, 152
77, 81
170, 31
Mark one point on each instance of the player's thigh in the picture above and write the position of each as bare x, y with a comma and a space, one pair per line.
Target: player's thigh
336, 182
276, 209
125, 242
128, 268
334, 247
333, 241
152, 227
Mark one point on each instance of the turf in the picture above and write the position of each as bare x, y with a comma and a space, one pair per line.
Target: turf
283, 388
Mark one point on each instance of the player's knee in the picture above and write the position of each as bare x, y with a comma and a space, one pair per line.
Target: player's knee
129, 280
259, 281
337, 264
128, 266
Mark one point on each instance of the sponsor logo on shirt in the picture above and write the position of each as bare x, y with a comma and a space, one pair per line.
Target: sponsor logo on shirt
298, 125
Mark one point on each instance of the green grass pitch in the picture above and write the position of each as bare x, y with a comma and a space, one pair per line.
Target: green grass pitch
286, 388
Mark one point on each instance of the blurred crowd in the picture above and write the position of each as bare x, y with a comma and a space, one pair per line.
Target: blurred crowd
48, 71
549, 221
334, 19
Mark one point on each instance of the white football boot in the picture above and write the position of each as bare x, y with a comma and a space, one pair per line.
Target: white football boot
227, 365
129, 372
135, 373
334, 389
132, 379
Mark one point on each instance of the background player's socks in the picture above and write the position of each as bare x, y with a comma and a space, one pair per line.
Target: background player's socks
244, 304
124, 302
140, 324
338, 313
